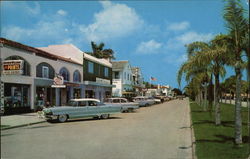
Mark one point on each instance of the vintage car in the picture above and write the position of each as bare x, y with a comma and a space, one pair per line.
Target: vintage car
80, 108
123, 102
143, 101
156, 100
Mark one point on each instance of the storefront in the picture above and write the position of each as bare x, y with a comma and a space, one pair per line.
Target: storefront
17, 98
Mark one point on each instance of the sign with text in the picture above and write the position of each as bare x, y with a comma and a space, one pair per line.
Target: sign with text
58, 82
13, 67
102, 81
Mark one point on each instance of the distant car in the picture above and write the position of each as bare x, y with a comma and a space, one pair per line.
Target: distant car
143, 101
123, 102
156, 100
80, 108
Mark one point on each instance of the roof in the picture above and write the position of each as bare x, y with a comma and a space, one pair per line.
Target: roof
66, 51
85, 99
119, 65
35, 50
72, 52
97, 60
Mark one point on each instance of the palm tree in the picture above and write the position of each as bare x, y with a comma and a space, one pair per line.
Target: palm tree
211, 54
99, 52
236, 24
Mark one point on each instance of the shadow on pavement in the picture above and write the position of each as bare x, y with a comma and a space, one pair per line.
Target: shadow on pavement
79, 120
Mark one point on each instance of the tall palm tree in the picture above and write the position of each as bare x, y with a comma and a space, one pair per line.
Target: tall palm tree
212, 54
236, 24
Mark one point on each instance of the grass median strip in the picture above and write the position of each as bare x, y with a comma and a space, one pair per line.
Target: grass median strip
217, 142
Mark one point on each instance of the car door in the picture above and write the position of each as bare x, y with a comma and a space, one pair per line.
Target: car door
82, 109
93, 108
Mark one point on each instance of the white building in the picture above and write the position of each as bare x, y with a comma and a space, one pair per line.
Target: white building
137, 81
25, 88
122, 79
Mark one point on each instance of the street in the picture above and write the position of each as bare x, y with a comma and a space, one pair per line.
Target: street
158, 132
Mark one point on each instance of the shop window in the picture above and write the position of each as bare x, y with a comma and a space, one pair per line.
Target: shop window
65, 73
45, 72
90, 67
26, 65
106, 72
76, 76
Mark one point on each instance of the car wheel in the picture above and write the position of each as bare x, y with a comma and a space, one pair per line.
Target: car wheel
146, 105
62, 118
130, 110
105, 116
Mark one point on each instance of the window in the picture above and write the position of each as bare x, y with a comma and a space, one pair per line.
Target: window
45, 72
106, 72
116, 75
124, 75
76, 76
92, 103
26, 65
82, 104
123, 101
116, 100
128, 76
90, 67
65, 73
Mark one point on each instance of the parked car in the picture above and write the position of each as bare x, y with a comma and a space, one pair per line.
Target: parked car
143, 101
123, 102
80, 108
156, 100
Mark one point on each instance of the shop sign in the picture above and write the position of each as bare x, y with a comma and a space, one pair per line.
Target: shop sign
102, 81
58, 82
13, 67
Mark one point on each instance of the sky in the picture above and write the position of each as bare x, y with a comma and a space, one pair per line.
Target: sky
150, 34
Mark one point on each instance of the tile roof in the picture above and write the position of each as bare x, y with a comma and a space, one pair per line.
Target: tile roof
38, 52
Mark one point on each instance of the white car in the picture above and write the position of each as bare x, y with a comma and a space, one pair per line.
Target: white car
123, 102
157, 101
143, 101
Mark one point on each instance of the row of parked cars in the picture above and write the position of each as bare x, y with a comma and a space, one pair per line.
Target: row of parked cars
89, 107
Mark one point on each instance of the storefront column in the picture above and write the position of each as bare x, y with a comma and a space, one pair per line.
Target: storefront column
57, 96
71, 93
82, 91
32, 96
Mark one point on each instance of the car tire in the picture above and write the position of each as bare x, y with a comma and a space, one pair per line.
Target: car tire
62, 118
146, 105
105, 116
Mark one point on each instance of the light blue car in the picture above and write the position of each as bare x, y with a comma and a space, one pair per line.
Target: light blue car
80, 108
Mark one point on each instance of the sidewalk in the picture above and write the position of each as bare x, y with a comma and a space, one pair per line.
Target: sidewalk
13, 121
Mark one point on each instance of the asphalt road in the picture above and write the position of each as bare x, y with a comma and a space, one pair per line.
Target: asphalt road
157, 132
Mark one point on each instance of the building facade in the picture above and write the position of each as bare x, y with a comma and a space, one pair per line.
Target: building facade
28, 86
122, 79
137, 81
27, 76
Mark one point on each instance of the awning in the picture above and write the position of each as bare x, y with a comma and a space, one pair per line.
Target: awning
97, 84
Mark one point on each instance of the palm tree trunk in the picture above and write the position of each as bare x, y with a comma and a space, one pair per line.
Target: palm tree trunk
205, 104
216, 100
230, 97
238, 121
210, 99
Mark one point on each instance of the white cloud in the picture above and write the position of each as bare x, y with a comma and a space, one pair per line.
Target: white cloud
61, 12
33, 8
179, 41
178, 26
149, 47
115, 20
194, 36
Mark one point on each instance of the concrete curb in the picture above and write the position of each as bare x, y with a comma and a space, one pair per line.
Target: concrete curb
23, 125
192, 135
